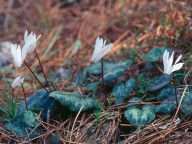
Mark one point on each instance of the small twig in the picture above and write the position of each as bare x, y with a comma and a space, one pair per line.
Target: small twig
29, 141
75, 122
35, 76
24, 97
42, 70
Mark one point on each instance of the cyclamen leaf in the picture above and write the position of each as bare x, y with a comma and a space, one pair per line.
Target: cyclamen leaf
73, 100
112, 75
122, 90
166, 93
159, 82
156, 53
95, 68
142, 116
167, 106
133, 102
24, 121
40, 101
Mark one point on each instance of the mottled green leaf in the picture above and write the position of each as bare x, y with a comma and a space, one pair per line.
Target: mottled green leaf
167, 106
133, 102
122, 90
142, 116
159, 82
24, 121
95, 68
124, 64
166, 93
40, 101
74, 101
112, 75
156, 54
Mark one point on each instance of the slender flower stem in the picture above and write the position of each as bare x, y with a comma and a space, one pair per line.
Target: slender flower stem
103, 83
42, 70
35, 76
24, 96
177, 103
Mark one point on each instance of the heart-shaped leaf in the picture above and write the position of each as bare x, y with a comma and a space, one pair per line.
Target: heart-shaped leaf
159, 82
40, 101
112, 75
74, 101
156, 54
95, 68
166, 93
122, 90
167, 106
142, 116
24, 121
133, 102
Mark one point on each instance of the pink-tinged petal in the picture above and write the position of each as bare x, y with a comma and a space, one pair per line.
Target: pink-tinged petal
178, 59
97, 57
176, 67
16, 52
25, 35
17, 82
102, 53
98, 48
30, 41
104, 44
106, 49
24, 51
38, 37
165, 60
19, 57
170, 62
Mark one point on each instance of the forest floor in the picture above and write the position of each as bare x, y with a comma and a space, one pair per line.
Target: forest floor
68, 31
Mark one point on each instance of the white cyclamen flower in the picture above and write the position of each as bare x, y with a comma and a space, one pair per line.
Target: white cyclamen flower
17, 82
100, 49
29, 43
169, 67
16, 52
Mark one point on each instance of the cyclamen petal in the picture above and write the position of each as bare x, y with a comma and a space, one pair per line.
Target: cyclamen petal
100, 49
30, 41
169, 67
106, 49
17, 82
178, 59
176, 67
17, 56
170, 62
165, 60
98, 46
